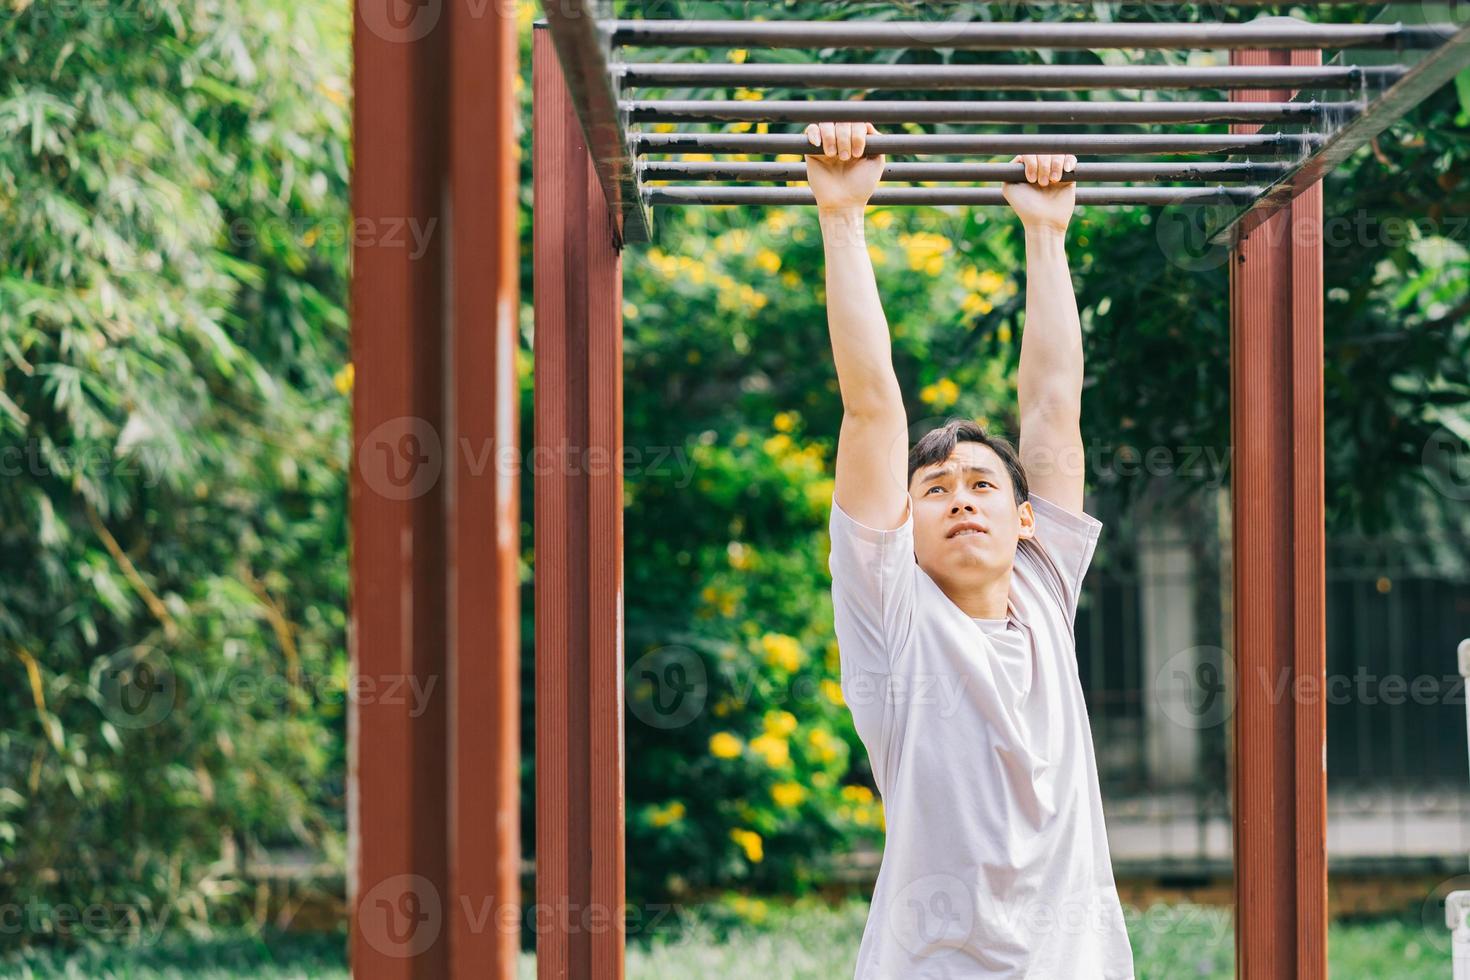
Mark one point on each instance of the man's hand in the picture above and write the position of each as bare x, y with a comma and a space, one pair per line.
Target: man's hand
841, 177
1046, 200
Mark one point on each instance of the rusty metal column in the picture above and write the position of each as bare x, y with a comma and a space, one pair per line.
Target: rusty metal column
483, 474
433, 737
579, 540
1280, 777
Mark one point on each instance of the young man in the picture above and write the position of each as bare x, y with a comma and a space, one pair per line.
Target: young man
956, 568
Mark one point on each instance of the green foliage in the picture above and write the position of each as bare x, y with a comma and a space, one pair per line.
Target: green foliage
173, 184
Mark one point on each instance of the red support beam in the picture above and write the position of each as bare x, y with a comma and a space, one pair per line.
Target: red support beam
1279, 776
579, 543
433, 724
483, 507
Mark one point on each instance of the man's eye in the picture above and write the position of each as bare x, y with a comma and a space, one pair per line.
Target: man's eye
983, 483
932, 489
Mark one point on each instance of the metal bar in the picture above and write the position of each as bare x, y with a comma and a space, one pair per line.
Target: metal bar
1004, 172
988, 196
578, 387
920, 111
585, 59
1434, 70
397, 761
1279, 572
978, 36
1276, 144
992, 77
483, 523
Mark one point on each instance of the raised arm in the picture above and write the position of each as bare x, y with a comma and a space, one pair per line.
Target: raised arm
872, 447
1050, 378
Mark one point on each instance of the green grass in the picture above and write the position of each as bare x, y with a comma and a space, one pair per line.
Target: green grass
807, 941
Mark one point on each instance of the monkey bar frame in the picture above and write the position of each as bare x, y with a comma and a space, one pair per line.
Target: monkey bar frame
433, 797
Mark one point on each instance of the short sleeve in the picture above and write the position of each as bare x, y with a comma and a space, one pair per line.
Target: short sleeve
873, 578
1061, 551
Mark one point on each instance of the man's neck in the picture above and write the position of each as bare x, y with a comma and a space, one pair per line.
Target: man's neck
984, 600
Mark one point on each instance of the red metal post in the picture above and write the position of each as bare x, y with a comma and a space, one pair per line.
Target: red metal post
579, 537
1280, 778
483, 480
433, 724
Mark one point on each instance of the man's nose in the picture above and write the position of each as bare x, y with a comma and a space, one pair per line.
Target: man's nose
962, 503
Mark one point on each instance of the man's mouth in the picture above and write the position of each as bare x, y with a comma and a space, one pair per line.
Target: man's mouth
965, 529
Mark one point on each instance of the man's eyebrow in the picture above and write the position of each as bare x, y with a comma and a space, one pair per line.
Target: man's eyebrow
942, 471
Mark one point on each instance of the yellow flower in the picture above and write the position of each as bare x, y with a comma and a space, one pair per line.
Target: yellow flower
819, 495
790, 278
769, 261
882, 219
741, 439
1003, 335
667, 816
857, 794
747, 95
752, 910
345, 378
788, 795
823, 744
782, 651
738, 55
833, 690
784, 421
630, 311
664, 127
750, 842
976, 305
723, 745
778, 445
741, 127
991, 281
779, 723
923, 248
941, 394
877, 255
775, 751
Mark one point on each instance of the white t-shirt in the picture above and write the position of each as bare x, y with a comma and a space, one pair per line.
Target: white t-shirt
996, 859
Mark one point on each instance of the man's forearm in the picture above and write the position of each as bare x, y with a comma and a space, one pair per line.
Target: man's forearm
861, 347
1050, 377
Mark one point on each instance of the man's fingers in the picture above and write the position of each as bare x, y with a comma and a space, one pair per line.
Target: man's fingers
844, 141
1043, 170
1057, 163
829, 138
1029, 161
859, 139
1071, 163
814, 134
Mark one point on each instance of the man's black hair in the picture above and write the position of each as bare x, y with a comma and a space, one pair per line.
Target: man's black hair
937, 445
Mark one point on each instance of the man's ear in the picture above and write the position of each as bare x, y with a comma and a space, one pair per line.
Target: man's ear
1028, 520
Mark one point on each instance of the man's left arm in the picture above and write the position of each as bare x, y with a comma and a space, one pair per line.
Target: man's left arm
1050, 377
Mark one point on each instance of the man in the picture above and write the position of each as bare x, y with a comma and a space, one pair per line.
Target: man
956, 567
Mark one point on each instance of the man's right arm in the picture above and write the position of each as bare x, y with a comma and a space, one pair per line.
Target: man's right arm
872, 447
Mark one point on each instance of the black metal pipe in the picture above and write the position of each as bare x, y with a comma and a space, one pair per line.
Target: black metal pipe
995, 77
1110, 144
1053, 111
977, 36
977, 172
952, 195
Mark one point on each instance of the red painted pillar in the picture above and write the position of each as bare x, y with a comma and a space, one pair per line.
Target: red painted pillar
433, 722
579, 546
1280, 738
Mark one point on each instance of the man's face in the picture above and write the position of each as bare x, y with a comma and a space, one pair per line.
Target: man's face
966, 520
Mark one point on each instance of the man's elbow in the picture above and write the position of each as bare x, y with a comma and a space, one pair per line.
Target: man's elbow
1051, 409
879, 401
